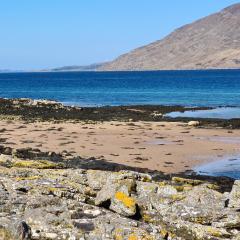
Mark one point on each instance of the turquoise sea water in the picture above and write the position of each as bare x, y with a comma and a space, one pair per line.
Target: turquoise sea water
219, 112
188, 88
228, 166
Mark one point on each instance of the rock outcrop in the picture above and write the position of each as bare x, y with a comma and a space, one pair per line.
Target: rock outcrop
47, 110
209, 43
43, 196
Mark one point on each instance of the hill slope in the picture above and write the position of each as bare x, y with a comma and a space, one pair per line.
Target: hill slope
211, 42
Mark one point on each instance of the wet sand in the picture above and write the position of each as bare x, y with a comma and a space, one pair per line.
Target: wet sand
170, 147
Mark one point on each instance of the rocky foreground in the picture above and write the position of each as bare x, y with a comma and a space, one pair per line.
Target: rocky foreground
55, 196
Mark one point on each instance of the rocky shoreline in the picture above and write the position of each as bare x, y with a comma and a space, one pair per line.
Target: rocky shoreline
53, 196
48, 195
45, 110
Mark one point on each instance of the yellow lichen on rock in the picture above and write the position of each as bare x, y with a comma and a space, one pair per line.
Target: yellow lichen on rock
52, 189
213, 186
162, 184
5, 235
192, 182
42, 164
27, 178
132, 237
126, 200
118, 234
214, 232
147, 218
164, 233
141, 236
177, 197
184, 187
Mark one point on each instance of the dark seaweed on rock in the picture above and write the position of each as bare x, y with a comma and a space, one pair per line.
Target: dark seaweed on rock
31, 110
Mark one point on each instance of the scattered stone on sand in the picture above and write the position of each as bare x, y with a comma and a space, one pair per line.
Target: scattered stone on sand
193, 123
157, 115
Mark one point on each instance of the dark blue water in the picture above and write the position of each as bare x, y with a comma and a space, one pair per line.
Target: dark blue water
188, 88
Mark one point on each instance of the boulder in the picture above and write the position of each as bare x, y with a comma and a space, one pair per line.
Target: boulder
5, 160
234, 196
157, 115
105, 195
97, 179
200, 205
122, 203
193, 123
116, 196
230, 220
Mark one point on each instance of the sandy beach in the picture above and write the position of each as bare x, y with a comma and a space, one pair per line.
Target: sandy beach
171, 147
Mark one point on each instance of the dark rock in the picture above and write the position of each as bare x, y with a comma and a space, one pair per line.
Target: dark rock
23, 231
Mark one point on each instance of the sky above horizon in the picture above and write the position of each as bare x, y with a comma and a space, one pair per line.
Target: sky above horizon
46, 34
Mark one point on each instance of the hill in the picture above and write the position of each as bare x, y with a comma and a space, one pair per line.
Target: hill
211, 42
92, 67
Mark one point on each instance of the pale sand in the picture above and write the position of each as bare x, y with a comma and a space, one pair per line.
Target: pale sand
179, 148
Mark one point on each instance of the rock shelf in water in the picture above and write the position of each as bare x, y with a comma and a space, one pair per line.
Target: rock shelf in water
46, 110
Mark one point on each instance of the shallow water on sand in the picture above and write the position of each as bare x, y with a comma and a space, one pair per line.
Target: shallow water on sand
229, 166
222, 113
229, 140
160, 142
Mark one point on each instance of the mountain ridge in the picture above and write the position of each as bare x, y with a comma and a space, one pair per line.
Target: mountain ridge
75, 68
212, 42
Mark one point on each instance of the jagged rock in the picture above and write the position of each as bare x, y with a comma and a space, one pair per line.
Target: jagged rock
97, 179
193, 231
200, 205
69, 218
23, 231
123, 203
234, 197
116, 195
230, 220
105, 195
166, 191
145, 189
5, 160
92, 204
206, 197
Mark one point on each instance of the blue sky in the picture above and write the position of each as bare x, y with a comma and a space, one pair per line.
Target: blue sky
48, 33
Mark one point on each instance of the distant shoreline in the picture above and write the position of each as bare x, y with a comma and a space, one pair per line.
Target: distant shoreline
122, 71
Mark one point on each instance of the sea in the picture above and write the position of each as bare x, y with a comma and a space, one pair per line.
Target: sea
188, 88
219, 89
